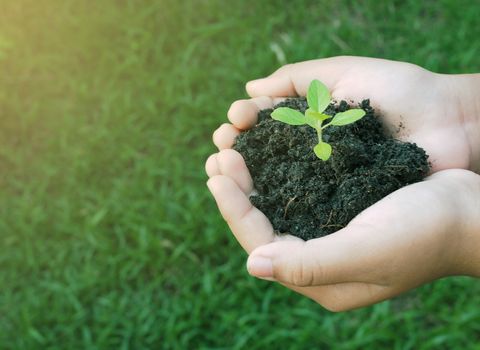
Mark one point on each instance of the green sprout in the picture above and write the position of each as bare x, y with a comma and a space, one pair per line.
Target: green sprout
318, 99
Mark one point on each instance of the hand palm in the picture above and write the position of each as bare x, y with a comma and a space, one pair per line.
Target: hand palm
415, 104
382, 261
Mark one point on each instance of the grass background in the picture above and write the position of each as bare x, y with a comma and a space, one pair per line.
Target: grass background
108, 237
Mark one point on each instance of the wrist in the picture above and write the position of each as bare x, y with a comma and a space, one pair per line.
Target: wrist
465, 90
467, 252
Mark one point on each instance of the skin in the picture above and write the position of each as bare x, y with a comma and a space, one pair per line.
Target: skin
417, 234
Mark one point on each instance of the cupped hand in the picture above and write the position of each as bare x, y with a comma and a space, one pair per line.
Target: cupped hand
415, 104
416, 234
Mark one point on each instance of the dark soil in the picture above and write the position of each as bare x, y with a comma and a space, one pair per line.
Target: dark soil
307, 197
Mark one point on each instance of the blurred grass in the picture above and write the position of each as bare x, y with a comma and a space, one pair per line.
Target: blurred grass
108, 237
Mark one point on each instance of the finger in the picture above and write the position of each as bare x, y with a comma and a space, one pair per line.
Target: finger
294, 79
322, 261
225, 135
249, 225
232, 164
211, 166
243, 114
346, 296
280, 83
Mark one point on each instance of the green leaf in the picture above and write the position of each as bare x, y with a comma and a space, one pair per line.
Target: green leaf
318, 96
314, 123
323, 150
312, 119
347, 117
289, 116
316, 115
315, 119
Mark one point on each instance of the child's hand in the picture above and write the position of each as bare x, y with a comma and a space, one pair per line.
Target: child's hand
416, 234
438, 112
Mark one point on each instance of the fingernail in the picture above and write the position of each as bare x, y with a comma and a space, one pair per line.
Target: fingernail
260, 267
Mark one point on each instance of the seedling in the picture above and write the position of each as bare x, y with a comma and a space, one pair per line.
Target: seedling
318, 99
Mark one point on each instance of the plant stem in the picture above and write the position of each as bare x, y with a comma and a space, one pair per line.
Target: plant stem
319, 134
323, 127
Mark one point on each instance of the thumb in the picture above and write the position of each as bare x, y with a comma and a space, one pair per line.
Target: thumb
337, 258
294, 79
279, 84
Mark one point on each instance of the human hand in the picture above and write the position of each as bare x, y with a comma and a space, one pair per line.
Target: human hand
417, 234
441, 113
433, 118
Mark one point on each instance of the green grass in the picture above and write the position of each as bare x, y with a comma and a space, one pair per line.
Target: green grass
108, 236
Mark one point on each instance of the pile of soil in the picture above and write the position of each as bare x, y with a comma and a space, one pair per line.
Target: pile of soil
307, 197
